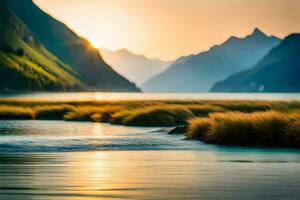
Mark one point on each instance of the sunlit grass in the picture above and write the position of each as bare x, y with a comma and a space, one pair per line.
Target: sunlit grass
167, 115
91, 113
247, 123
204, 110
16, 112
138, 113
246, 106
272, 128
52, 111
199, 127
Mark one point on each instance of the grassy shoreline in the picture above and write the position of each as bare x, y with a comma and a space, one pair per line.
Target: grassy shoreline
272, 123
268, 128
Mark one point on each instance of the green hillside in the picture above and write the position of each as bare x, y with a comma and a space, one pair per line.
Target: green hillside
71, 49
25, 64
40, 53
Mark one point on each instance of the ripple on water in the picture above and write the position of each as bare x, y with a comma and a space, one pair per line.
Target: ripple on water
82, 160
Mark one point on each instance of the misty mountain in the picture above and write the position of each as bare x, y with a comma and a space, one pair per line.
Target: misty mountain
278, 71
136, 68
198, 73
38, 52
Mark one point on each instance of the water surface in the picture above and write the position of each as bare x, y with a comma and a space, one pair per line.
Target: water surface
82, 160
110, 96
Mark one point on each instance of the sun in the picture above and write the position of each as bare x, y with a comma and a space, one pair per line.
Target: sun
95, 43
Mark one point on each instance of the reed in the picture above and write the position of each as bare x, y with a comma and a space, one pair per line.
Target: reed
16, 112
271, 128
140, 113
52, 112
204, 110
159, 116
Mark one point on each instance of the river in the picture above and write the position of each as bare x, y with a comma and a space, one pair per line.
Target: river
112, 96
82, 160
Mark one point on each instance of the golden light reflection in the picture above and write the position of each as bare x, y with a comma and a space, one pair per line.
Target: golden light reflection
133, 174
98, 96
98, 129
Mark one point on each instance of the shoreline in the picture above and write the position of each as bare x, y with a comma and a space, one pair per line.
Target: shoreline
241, 123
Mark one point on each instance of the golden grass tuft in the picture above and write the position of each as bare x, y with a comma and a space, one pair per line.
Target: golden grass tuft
218, 122
52, 112
141, 113
16, 112
199, 127
246, 106
235, 128
167, 115
204, 110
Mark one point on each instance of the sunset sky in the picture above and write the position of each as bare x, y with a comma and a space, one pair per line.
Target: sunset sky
168, 29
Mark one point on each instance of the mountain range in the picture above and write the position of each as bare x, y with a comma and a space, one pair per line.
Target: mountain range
37, 52
278, 71
198, 73
136, 68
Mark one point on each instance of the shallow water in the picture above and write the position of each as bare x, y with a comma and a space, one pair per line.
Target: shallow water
81, 160
61, 136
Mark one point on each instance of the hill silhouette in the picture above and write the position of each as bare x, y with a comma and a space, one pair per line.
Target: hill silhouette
137, 68
53, 56
198, 73
278, 71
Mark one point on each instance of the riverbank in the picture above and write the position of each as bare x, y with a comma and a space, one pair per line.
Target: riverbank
271, 123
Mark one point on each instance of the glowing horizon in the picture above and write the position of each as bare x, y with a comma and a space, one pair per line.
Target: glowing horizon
168, 29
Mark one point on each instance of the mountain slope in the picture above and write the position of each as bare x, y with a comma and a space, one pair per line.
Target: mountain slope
136, 68
25, 64
198, 73
278, 71
74, 51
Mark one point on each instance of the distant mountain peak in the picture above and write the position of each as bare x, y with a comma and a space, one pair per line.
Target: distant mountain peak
124, 50
258, 32
198, 73
135, 67
277, 71
230, 40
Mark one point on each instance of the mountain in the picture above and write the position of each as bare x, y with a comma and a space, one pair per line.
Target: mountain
38, 52
198, 73
278, 71
25, 63
136, 68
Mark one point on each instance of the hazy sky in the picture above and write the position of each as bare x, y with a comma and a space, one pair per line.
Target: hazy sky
168, 29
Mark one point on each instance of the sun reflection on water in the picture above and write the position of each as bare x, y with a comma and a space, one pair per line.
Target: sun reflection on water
98, 129
98, 96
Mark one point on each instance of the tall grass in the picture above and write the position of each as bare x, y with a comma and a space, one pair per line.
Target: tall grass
91, 113
16, 112
52, 112
235, 128
119, 117
199, 127
292, 135
204, 110
246, 106
159, 116
217, 122
141, 113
